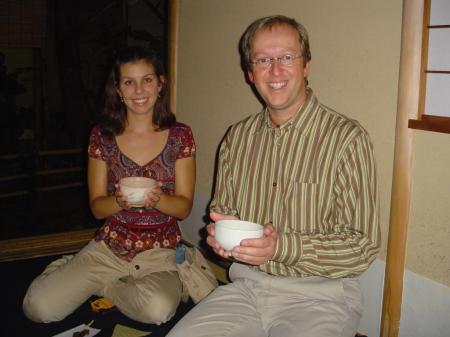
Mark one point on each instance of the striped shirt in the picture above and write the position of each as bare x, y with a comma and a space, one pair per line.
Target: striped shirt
314, 178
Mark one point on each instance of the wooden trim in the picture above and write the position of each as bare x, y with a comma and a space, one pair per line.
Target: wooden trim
43, 245
431, 123
61, 170
424, 57
436, 119
407, 105
436, 26
14, 194
59, 152
14, 177
9, 156
59, 187
173, 53
437, 71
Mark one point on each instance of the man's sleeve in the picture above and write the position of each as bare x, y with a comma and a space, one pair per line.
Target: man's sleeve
224, 199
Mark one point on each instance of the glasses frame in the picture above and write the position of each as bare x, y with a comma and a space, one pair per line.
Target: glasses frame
285, 60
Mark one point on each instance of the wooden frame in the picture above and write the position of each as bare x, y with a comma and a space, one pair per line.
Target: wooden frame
407, 106
431, 123
173, 53
425, 121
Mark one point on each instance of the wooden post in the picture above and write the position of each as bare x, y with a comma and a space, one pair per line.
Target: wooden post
173, 54
407, 107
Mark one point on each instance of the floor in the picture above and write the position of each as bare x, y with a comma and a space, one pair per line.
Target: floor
14, 280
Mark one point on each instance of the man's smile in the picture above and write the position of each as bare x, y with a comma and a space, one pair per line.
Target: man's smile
277, 85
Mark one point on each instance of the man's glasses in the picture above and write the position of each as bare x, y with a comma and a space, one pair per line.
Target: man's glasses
265, 62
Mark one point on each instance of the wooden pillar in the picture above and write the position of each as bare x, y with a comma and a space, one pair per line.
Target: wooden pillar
407, 107
173, 53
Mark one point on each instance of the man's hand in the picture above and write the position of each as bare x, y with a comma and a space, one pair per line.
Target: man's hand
257, 251
215, 245
251, 251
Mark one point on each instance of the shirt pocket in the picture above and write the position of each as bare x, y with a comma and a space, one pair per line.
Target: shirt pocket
301, 206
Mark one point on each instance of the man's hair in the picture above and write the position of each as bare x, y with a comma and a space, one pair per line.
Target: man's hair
269, 22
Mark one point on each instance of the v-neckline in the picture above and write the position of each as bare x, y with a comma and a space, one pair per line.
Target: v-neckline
151, 160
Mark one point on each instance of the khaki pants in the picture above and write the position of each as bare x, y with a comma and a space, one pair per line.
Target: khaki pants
257, 304
147, 289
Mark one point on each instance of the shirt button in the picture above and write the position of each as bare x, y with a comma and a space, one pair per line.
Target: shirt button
274, 184
137, 267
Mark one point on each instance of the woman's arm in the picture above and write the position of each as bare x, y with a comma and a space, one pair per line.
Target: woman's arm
102, 205
179, 205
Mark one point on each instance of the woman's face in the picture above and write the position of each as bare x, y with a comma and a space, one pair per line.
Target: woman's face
139, 87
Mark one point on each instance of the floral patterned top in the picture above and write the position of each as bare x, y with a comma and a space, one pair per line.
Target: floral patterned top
130, 232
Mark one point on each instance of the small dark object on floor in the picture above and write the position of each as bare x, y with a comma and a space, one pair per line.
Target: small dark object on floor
81, 333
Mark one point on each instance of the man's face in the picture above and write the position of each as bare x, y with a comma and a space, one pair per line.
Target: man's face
283, 87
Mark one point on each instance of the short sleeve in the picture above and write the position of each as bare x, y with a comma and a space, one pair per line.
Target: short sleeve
95, 144
187, 148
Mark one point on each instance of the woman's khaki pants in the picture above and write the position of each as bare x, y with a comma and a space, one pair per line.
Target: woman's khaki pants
147, 289
257, 304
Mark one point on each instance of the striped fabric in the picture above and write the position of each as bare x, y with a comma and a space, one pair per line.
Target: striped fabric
314, 178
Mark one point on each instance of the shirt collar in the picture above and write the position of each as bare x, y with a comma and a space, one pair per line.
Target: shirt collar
301, 121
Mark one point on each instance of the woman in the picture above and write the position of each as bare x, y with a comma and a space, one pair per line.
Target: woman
131, 259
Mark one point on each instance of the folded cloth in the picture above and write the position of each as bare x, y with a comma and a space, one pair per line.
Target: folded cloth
195, 273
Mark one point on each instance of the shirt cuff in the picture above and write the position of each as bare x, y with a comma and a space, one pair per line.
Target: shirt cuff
288, 249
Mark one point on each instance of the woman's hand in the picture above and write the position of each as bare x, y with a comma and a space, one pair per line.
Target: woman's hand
121, 199
153, 197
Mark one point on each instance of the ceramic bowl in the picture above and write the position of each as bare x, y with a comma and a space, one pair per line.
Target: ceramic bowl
230, 233
136, 188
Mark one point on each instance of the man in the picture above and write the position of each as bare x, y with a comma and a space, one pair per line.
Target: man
308, 174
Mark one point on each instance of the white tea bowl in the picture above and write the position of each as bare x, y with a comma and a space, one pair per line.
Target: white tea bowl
136, 188
230, 233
